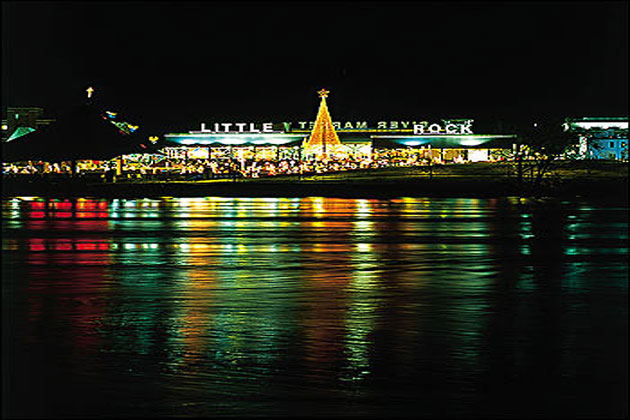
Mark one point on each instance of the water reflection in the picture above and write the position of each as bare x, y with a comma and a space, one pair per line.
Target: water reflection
206, 306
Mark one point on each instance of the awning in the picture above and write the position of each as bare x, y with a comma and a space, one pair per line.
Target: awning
271, 139
473, 141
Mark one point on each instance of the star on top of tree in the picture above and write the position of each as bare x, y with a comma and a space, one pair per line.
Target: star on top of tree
323, 93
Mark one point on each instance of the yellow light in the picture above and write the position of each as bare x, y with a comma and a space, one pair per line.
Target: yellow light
199, 153
5, 127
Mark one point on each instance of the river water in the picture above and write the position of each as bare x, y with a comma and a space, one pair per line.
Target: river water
212, 306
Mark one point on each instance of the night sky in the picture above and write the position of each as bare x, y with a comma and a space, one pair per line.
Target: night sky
170, 66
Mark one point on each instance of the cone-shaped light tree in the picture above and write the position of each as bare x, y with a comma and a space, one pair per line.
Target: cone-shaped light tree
323, 141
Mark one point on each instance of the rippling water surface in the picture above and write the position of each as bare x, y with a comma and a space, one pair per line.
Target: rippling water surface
314, 306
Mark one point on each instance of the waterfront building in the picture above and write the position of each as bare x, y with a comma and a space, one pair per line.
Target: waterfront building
600, 137
21, 121
362, 143
397, 142
85, 136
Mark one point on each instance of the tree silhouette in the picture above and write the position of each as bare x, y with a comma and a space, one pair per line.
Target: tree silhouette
539, 148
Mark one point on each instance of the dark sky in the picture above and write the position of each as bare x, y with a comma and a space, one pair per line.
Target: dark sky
172, 65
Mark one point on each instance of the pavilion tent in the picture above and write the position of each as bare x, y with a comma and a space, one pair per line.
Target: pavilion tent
19, 132
81, 134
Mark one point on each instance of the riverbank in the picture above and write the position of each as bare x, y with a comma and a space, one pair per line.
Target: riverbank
457, 181
441, 187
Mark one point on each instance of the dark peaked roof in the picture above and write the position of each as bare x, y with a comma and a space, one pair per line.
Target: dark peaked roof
83, 133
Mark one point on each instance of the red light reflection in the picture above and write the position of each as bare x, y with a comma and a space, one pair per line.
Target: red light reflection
91, 215
62, 245
65, 205
36, 244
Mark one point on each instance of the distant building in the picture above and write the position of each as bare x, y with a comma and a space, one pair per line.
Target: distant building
601, 137
21, 121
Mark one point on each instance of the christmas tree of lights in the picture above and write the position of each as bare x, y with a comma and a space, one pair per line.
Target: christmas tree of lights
323, 140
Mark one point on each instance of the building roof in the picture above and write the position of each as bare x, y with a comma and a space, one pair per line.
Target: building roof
596, 123
19, 132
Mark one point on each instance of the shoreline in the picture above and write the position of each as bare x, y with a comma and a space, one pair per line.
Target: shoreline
604, 188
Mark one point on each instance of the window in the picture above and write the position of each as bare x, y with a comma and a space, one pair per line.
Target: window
623, 144
612, 144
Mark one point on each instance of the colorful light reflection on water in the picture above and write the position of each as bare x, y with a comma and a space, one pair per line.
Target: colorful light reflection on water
216, 306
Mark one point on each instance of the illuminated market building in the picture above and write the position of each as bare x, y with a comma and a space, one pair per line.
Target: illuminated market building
601, 137
397, 142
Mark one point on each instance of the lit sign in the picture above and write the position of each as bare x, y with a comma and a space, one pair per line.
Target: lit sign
337, 125
448, 128
238, 128
423, 127
455, 127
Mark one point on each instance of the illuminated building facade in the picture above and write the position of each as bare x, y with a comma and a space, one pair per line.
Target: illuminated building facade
601, 137
398, 142
285, 140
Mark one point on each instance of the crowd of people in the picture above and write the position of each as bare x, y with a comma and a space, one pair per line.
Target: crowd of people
200, 169
251, 168
195, 169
